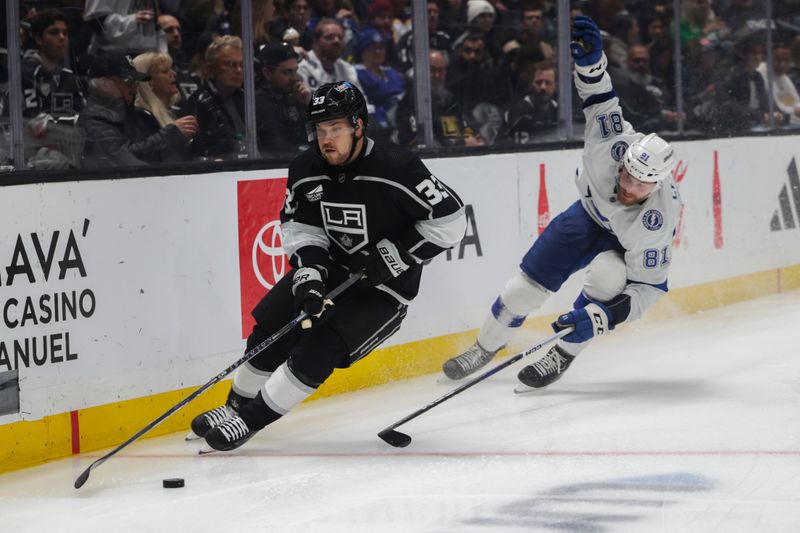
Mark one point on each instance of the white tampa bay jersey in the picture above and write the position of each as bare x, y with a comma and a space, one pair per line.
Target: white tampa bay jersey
644, 230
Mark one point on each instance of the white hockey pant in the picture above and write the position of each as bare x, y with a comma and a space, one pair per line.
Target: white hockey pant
605, 278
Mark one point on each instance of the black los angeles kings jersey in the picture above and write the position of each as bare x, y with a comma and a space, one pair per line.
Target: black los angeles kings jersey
331, 213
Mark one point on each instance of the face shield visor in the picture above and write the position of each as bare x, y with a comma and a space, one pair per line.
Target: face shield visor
329, 130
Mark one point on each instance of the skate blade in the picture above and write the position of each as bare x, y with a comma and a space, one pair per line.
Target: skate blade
521, 388
192, 436
206, 450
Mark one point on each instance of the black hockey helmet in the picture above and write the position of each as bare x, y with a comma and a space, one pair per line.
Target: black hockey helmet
337, 100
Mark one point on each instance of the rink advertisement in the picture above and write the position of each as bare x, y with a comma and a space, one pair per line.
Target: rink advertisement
118, 290
262, 261
45, 295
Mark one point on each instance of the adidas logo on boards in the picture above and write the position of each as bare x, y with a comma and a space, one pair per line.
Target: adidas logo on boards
789, 216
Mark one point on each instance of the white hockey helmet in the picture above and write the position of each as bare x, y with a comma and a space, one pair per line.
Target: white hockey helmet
650, 159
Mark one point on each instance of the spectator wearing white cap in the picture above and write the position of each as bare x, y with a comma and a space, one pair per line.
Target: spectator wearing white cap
480, 19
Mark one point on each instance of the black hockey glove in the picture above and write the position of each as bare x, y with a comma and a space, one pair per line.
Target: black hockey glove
308, 289
380, 263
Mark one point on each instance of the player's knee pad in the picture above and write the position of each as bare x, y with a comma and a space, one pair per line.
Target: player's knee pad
248, 380
314, 357
272, 356
606, 277
283, 390
519, 297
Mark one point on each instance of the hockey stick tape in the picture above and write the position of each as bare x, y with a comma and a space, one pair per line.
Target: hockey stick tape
306, 324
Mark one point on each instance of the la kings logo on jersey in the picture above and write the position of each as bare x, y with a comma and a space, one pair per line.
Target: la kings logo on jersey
346, 225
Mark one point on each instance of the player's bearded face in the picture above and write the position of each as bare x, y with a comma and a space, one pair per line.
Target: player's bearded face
335, 140
631, 190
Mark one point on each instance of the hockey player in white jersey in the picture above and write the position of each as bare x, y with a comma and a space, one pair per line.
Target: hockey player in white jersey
621, 228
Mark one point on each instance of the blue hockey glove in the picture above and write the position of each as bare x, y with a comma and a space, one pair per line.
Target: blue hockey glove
587, 44
594, 319
308, 289
380, 263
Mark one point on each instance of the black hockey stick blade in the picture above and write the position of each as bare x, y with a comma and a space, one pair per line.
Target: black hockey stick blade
401, 440
81, 479
395, 438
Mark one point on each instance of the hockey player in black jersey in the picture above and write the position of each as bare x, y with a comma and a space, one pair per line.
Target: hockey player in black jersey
352, 207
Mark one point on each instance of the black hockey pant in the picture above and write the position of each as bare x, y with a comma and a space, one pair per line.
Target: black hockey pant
363, 319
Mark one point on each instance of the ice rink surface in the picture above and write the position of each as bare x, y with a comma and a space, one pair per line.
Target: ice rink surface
684, 425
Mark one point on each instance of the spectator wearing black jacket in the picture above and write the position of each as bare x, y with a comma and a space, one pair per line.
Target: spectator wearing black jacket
742, 103
479, 89
181, 64
535, 116
154, 107
448, 124
219, 102
437, 39
646, 101
281, 102
52, 95
109, 121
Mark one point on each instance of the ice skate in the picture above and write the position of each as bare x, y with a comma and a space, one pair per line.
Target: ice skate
546, 370
468, 362
204, 422
227, 436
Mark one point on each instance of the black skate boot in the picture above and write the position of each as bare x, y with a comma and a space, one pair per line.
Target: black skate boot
204, 422
468, 362
228, 435
546, 370
233, 432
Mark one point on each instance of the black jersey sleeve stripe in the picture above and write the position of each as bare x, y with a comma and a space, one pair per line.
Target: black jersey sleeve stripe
599, 98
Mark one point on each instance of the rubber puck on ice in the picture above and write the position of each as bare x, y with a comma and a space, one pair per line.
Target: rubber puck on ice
173, 483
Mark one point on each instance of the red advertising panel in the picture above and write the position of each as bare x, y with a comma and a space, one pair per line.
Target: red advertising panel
262, 261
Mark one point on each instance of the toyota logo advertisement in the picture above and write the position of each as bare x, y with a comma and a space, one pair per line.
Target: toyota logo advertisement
262, 261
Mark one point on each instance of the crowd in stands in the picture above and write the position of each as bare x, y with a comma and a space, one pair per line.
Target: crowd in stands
135, 82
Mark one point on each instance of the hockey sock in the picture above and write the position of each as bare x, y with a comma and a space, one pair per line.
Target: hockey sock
520, 296
281, 392
498, 327
248, 380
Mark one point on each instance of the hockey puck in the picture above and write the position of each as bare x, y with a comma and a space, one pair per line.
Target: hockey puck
173, 483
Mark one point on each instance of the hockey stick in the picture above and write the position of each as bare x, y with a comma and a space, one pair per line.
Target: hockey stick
401, 440
246, 357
